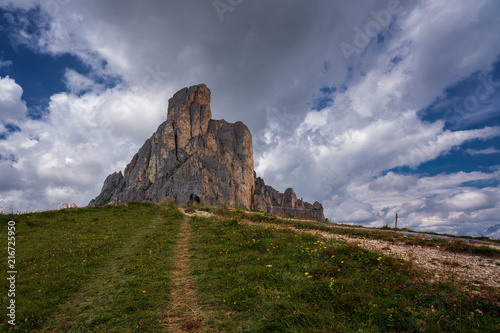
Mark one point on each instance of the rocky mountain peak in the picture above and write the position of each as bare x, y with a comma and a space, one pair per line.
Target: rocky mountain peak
189, 113
194, 156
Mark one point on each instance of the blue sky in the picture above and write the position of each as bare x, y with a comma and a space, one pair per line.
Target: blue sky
40, 75
371, 107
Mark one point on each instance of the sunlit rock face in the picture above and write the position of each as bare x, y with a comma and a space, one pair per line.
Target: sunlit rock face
192, 155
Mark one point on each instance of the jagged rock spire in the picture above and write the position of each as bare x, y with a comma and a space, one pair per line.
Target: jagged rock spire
189, 114
192, 155
189, 154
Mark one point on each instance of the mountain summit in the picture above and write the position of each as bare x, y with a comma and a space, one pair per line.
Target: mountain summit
193, 156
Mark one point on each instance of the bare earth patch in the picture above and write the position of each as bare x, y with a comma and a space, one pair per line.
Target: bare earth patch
183, 312
442, 265
199, 213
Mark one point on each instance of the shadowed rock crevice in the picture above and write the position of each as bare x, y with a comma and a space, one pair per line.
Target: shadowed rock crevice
192, 153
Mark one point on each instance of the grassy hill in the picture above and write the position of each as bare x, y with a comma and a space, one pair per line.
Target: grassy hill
151, 268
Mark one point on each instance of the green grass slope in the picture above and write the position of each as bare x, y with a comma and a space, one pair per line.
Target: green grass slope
256, 279
110, 269
92, 269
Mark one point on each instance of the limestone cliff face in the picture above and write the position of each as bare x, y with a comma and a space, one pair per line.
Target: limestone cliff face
189, 154
192, 154
268, 199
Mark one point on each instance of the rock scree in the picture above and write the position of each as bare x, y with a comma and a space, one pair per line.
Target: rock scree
192, 155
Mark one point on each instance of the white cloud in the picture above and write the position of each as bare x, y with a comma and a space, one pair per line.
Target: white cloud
442, 203
66, 156
359, 216
373, 126
5, 63
470, 200
393, 182
78, 83
11, 104
264, 63
487, 151
463, 27
359, 150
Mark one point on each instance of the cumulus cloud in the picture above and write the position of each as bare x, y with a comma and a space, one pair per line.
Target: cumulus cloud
393, 182
444, 203
11, 104
471, 200
78, 83
373, 126
66, 156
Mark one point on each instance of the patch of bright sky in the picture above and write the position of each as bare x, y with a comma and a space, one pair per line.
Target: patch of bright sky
40, 75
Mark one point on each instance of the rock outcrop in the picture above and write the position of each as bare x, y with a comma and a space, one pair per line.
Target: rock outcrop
193, 156
268, 199
190, 154
66, 206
